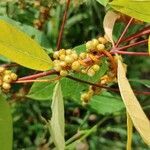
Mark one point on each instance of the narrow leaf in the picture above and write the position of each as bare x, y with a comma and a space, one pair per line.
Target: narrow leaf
57, 123
6, 127
133, 107
109, 22
141, 81
129, 132
136, 9
21, 49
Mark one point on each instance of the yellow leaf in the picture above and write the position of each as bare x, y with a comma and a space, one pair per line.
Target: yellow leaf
108, 24
137, 9
129, 132
133, 107
149, 44
21, 49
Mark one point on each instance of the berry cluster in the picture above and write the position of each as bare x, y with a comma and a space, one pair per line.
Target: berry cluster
6, 78
88, 62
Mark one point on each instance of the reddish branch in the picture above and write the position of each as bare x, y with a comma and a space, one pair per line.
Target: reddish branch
62, 25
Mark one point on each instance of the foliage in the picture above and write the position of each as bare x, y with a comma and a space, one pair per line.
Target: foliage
28, 36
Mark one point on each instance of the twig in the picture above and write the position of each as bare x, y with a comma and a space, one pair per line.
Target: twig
124, 32
62, 25
132, 53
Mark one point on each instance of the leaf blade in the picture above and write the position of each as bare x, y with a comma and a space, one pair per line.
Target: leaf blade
6, 127
21, 49
57, 123
133, 107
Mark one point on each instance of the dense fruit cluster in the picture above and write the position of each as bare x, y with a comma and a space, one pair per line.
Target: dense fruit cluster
6, 78
88, 62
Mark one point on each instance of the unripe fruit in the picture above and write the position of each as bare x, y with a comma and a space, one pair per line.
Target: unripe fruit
74, 56
83, 71
62, 57
100, 47
63, 64
85, 97
2, 69
82, 55
1, 82
102, 40
6, 86
89, 45
75, 66
7, 78
56, 55
68, 51
13, 76
96, 67
91, 72
62, 52
69, 59
63, 73
7, 72
94, 43
57, 67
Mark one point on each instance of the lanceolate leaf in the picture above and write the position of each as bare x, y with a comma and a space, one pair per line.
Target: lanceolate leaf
6, 127
141, 81
103, 2
21, 49
109, 22
57, 123
136, 9
138, 117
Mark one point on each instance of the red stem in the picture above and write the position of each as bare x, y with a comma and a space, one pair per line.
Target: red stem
62, 25
140, 33
129, 46
132, 53
124, 32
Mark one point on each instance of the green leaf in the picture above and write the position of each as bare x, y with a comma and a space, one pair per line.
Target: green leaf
42, 91
136, 9
141, 81
6, 127
57, 123
71, 89
106, 103
103, 2
80, 48
21, 49
149, 44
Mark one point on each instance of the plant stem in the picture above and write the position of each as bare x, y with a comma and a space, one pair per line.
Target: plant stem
124, 32
136, 35
62, 25
128, 46
132, 53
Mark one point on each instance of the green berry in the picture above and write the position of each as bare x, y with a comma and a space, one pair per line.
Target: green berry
96, 67
74, 56
7, 78
85, 97
7, 72
2, 69
102, 40
94, 43
69, 59
68, 51
63, 73
56, 55
13, 76
82, 55
57, 67
100, 47
62, 57
91, 72
6, 86
63, 64
89, 45
75, 66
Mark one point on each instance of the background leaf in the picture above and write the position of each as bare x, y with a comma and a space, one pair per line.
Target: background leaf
103, 2
149, 44
106, 103
141, 81
6, 127
136, 9
133, 107
57, 123
21, 49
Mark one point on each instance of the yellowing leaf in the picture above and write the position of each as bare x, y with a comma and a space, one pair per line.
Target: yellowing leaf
129, 132
21, 49
57, 123
109, 22
137, 9
133, 107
